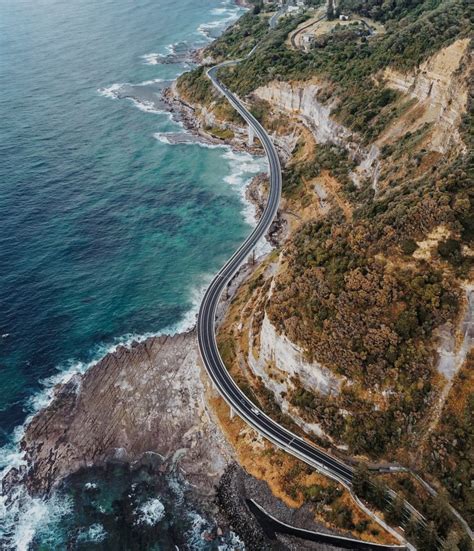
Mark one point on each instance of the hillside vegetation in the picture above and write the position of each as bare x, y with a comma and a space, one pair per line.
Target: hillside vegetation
364, 290
348, 61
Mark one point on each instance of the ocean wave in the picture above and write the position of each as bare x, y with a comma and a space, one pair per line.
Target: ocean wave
23, 516
146, 106
231, 13
17, 529
177, 50
201, 532
196, 535
243, 167
148, 82
152, 58
166, 137
96, 533
151, 512
111, 91
162, 137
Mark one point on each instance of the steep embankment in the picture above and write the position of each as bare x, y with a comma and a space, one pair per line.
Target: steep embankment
385, 286
354, 332
440, 88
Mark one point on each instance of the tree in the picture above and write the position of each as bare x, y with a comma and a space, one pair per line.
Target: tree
450, 250
330, 10
451, 543
361, 481
394, 515
427, 538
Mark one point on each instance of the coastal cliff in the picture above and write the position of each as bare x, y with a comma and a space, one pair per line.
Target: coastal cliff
440, 89
354, 330
338, 334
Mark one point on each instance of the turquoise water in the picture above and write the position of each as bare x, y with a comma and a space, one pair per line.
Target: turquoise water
106, 231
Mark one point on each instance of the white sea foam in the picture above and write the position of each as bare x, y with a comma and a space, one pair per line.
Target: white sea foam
111, 91
148, 82
155, 58
243, 167
234, 543
162, 137
219, 11
177, 485
150, 512
152, 58
146, 106
199, 526
17, 530
172, 48
22, 516
231, 13
95, 533
212, 145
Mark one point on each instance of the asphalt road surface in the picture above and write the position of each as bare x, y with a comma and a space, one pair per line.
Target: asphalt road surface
215, 367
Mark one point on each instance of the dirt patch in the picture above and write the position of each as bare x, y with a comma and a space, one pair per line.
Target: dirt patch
428, 245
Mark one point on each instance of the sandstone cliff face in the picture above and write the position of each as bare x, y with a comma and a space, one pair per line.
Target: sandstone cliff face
278, 361
147, 398
456, 342
300, 99
440, 88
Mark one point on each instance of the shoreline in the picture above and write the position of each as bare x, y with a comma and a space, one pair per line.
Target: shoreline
38, 477
15, 465
184, 113
43, 397
67, 385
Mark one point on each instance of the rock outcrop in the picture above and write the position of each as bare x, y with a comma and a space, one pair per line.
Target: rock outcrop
279, 363
289, 358
440, 88
300, 99
146, 398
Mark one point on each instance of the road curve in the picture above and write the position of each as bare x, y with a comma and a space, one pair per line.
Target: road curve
212, 360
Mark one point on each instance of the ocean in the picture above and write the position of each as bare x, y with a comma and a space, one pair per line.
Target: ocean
109, 232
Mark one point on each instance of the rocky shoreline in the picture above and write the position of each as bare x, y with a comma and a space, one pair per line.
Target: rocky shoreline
149, 400
186, 114
152, 399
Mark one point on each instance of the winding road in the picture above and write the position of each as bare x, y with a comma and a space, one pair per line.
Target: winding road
206, 329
